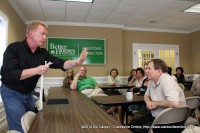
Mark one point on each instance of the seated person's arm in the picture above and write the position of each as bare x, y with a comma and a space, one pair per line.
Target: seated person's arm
95, 84
167, 104
156, 104
148, 101
110, 80
96, 87
171, 92
132, 82
73, 85
64, 82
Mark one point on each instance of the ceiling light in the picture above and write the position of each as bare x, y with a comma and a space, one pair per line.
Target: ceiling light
193, 9
88, 1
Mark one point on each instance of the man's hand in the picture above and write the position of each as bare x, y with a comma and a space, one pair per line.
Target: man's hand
151, 105
77, 75
73, 85
82, 57
72, 63
38, 105
42, 69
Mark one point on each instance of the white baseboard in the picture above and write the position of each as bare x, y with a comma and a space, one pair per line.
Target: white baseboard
58, 81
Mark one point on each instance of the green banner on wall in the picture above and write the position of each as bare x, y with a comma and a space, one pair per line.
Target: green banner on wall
71, 48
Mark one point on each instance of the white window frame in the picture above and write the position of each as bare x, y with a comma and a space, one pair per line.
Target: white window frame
156, 47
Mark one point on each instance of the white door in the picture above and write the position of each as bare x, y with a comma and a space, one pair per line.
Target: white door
142, 53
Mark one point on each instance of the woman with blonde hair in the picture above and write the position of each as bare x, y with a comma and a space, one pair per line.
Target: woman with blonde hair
69, 78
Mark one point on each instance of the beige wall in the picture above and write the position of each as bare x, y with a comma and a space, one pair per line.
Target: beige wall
16, 27
119, 46
194, 47
130, 37
118, 43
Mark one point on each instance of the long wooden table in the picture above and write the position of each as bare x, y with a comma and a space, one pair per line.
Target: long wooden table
107, 86
118, 100
81, 115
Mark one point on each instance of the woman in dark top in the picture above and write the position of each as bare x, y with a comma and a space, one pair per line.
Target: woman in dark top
179, 75
132, 75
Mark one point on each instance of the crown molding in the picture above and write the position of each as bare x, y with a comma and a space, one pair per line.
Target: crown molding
83, 24
113, 26
194, 30
156, 30
17, 11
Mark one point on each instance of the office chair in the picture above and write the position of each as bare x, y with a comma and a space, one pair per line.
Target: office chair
27, 120
193, 103
169, 119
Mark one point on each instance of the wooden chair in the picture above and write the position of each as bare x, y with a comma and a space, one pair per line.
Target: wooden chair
193, 103
170, 117
27, 120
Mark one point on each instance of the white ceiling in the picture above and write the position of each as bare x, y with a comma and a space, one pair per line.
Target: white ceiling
149, 15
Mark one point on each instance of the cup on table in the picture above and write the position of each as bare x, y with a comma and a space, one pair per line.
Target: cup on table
129, 95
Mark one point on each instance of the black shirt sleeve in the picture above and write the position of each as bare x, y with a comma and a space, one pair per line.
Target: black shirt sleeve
57, 63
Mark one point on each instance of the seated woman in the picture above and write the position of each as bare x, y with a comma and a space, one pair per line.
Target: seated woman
145, 82
140, 89
196, 84
113, 80
69, 78
139, 80
132, 75
179, 75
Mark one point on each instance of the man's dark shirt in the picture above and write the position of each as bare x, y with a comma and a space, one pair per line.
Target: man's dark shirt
18, 57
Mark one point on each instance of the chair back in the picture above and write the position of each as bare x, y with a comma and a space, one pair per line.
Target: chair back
27, 120
191, 129
182, 86
170, 117
193, 103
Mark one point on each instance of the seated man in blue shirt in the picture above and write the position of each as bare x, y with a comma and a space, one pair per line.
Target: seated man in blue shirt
84, 84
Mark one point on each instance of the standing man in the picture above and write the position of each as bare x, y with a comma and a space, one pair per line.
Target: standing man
163, 92
23, 64
84, 84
